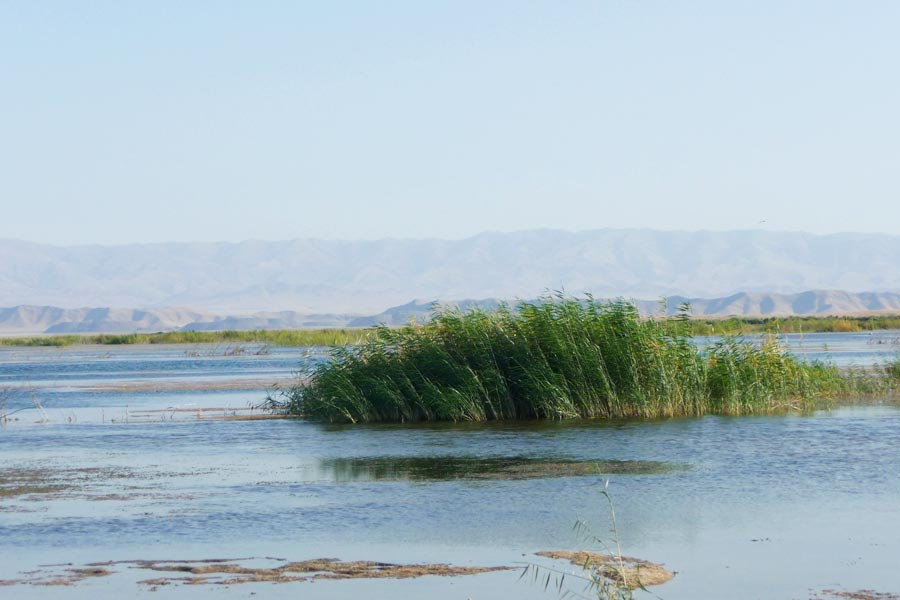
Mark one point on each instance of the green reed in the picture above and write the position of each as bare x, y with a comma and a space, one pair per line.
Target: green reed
559, 358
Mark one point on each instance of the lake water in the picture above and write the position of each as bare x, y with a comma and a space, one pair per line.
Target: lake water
750, 507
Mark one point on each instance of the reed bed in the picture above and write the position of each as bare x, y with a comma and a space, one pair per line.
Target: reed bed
556, 359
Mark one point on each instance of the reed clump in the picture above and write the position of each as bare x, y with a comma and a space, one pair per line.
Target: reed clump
560, 358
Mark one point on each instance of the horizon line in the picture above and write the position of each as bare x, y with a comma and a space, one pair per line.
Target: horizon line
443, 239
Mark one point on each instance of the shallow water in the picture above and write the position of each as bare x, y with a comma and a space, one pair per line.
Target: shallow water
857, 349
751, 507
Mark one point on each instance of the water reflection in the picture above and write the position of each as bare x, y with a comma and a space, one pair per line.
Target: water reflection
480, 468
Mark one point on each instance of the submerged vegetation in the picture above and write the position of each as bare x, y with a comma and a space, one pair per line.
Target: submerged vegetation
558, 359
481, 468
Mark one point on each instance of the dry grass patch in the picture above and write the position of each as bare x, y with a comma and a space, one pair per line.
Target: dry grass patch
320, 568
330, 568
220, 571
625, 571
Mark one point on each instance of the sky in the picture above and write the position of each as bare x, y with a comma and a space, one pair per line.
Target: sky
225, 121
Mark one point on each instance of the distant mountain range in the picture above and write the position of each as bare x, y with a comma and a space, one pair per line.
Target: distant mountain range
54, 320
312, 277
756, 304
22, 320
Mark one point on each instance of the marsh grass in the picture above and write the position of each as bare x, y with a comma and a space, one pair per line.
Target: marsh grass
560, 358
891, 370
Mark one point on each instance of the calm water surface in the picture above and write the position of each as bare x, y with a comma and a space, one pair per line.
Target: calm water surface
752, 507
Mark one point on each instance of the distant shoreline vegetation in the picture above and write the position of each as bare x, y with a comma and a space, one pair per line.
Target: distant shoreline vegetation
556, 359
352, 336
798, 324
283, 337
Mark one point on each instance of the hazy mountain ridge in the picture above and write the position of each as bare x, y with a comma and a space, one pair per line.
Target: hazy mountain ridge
362, 277
48, 319
805, 303
54, 320
753, 304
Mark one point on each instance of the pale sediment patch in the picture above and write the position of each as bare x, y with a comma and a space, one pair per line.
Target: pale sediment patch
623, 570
308, 570
232, 572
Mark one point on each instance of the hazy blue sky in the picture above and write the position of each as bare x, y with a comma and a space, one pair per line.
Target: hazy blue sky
160, 121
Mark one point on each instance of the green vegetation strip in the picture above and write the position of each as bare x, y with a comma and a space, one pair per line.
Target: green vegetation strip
287, 338
343, 337
560, 359
778, 325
